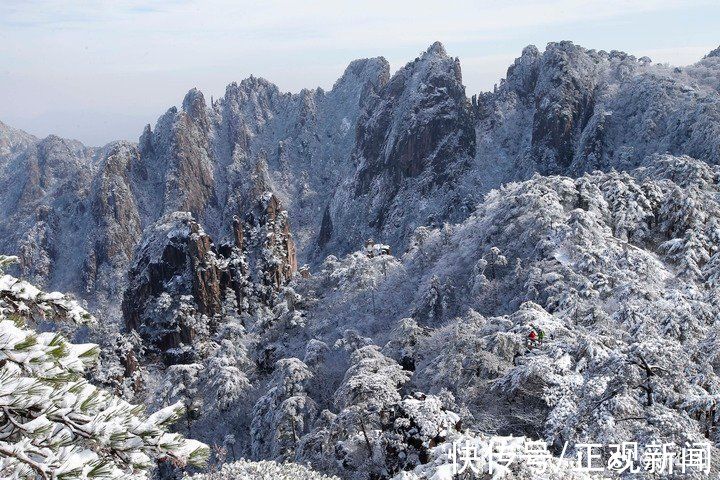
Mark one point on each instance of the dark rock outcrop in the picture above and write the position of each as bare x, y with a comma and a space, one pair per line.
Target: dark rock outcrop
417, 122
175, 260
714, 54
181, 279
115, 213
564, 102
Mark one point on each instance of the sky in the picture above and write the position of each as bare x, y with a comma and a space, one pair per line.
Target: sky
99, 71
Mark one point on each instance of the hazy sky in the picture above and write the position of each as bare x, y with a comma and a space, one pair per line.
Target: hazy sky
98, 71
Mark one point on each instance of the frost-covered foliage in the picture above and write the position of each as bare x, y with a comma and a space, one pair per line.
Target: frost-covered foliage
263, 470
55, 424
495, 298
284, 413
618, 271
371, 385
20, 298
227, 367
376, 432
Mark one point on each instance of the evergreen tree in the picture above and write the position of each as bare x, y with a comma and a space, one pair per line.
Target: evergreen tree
284, 413
54, 424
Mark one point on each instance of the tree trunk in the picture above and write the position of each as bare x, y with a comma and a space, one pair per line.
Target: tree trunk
367, 440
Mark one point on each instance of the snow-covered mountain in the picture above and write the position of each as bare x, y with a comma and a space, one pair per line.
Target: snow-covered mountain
347, 163
580, 196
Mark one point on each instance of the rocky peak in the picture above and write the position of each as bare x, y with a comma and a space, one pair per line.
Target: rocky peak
522, 74
12, 139
246, 108
414, 135
714, 54
160, 137
374, 70
420, 106
370, 74
194, 105
145, 141
55, 151
565, 98
437, 48
179, 159
252, 91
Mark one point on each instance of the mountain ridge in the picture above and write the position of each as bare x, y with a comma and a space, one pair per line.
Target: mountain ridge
345, 162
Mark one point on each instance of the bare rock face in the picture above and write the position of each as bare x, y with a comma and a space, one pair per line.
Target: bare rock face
180, 279
177, 273
414, 123
43, 203
114, 211
714, 54
177, 158
415, 136
564, 102
522, 75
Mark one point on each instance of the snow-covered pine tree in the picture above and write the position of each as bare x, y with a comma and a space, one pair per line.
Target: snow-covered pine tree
263, 470
404, 341
273, 325
711, 271
371, 385
352, 341
182, 386
435, 303
284, 413
53, 422
372, 381
495, 261
227, 365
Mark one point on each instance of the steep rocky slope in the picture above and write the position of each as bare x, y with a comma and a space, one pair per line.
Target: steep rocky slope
414, 143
